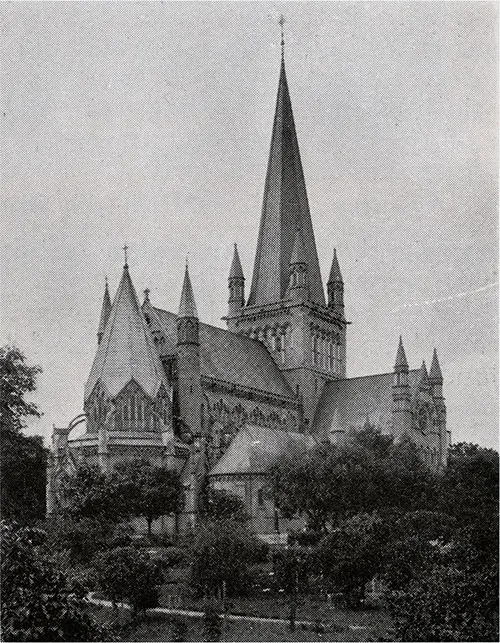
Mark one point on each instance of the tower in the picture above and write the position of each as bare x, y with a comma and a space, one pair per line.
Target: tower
189, 393
286, 307
401, 396
436, 383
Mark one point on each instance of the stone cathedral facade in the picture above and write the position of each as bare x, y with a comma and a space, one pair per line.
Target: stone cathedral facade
219, 404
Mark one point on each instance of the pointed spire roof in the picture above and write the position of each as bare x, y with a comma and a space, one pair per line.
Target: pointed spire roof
105, 310
423, 377
401, 361
435, 373
299, 250
285, 208
335, 274
127, 351
236, 271
187, 307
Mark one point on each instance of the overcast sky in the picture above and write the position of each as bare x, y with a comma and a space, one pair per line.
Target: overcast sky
150, 124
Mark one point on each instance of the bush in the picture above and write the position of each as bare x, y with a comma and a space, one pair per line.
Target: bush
126, 573
40, 601
82, 538
212, 623
447, 604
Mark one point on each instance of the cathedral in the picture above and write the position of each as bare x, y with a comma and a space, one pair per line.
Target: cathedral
218, 405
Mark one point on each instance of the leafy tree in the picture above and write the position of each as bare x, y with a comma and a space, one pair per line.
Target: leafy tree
82, 538
40, 602
366, 472
221, 553
23, 459
469, 486
127, 573
223, 505
92, 494
23, 477
149, 491
16, 379
351, 555
212, 623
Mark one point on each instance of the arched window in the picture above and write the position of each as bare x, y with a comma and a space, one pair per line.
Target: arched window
132, 410
139, 410
315, 349
125, 413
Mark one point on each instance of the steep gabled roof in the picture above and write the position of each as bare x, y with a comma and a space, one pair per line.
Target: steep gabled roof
229, 357
127, 351
348, 403
255, 448
285, 208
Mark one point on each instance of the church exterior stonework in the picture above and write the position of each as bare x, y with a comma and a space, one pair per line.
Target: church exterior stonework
217, 404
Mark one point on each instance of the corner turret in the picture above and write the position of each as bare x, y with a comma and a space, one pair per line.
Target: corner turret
335, 287
401, 397
236, 285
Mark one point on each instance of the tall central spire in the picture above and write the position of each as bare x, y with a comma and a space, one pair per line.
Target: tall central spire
284, 210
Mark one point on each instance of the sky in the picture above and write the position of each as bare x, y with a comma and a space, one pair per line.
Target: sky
150, 123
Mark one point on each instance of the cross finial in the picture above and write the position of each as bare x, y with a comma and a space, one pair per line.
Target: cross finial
125, 248
281, 22
146, 294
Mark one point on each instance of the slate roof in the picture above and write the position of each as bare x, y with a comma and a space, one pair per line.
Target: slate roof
255, 448
347, 404
229, 357
285, 208
127, 350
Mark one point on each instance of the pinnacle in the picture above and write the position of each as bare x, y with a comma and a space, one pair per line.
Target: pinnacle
236, 271
423, 377
401, 361
435, 373
105, 310
187, 306
335, 274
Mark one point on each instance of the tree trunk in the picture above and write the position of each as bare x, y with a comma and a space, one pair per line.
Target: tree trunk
150, 521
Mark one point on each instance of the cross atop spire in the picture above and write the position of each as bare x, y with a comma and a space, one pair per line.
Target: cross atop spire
281, 23
125, 249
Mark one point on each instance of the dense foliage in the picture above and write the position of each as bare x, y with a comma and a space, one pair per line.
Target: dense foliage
222, 505
129, 574
367, 472
149, 491
221, 554
22, 458
40, 601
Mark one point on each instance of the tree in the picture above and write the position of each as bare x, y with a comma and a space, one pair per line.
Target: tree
351, 555
40, 602
16, 379
469, 486
23, 477
366, 472
23, 459
92, 494
127, 573
149, 491
221, 553
223, 505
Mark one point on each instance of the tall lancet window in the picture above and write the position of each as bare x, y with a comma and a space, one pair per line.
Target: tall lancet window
315, 349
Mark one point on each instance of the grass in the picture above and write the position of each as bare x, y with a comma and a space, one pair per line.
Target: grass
342, 626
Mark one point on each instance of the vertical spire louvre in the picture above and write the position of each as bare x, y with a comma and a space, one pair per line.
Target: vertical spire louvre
285, 208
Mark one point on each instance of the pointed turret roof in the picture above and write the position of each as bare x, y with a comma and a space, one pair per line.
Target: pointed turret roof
127, 349
105, 310
299, 250
335, 274
435, 373
236, 271
284, 209
423, 377
401, 361
187, 307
